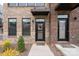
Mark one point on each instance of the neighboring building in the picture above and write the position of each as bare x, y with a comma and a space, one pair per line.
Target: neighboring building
0, 19
1, 24
40, 22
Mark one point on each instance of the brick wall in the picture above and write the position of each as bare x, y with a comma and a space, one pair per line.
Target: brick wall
74, 25
53, 23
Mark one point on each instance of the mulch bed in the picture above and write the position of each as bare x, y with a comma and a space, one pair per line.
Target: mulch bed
26, 52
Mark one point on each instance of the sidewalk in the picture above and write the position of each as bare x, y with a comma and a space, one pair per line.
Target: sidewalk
73, 50
40, 50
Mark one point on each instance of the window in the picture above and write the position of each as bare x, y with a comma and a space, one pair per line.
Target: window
22, 4
25, 26
62, 27
26, 4
30, 4
12, 26
12, 4
39, 4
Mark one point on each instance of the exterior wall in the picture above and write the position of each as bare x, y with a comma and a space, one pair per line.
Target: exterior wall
53, 23
74, 26
19, 13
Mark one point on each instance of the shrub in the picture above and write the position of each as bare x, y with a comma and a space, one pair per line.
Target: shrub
10, 52
21, 44
6, 44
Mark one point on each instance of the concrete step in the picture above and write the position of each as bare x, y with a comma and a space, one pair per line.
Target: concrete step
40, 42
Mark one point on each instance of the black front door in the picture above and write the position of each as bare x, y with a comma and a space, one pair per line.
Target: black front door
40, 30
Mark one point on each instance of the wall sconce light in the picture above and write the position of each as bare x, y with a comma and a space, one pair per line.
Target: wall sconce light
75, 18
33, 21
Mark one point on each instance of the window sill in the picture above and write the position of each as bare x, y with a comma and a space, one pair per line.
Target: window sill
12, 36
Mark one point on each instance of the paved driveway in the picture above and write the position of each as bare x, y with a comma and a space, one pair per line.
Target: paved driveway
40, 50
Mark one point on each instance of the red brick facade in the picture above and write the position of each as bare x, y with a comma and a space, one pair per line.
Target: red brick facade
73, 24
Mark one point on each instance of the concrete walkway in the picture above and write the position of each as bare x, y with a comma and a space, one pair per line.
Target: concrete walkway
69, 51
40, 50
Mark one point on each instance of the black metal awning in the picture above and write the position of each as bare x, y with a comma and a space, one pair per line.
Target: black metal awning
40, 11
66, 6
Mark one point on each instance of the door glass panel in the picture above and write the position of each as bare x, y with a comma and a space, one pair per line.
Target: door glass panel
40, 30
40, 35
62, 29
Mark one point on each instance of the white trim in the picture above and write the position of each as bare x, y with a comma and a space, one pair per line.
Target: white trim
62, 16
40, 20
26, 20
12, 20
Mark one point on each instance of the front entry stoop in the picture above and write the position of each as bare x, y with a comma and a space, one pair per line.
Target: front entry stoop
40, 42
63, 42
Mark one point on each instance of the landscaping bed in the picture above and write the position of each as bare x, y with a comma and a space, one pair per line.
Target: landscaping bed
26, 52
19, 49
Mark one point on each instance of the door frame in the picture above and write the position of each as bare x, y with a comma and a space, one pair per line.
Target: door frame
36, 30
66, 30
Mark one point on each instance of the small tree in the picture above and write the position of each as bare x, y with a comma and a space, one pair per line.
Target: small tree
21, 44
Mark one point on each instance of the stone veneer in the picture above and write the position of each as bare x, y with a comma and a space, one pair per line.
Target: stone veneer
51, 23
19, 13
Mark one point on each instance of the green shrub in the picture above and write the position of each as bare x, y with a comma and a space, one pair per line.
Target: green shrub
6, 44
21, 44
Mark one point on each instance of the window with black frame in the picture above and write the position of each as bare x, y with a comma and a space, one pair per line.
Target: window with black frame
39, 4
26, 4
22, 4
11, 26
63, 27
25, 26
12, 4
30, 4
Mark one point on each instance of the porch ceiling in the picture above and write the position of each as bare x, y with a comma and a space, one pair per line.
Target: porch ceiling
40, 11
66, 6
